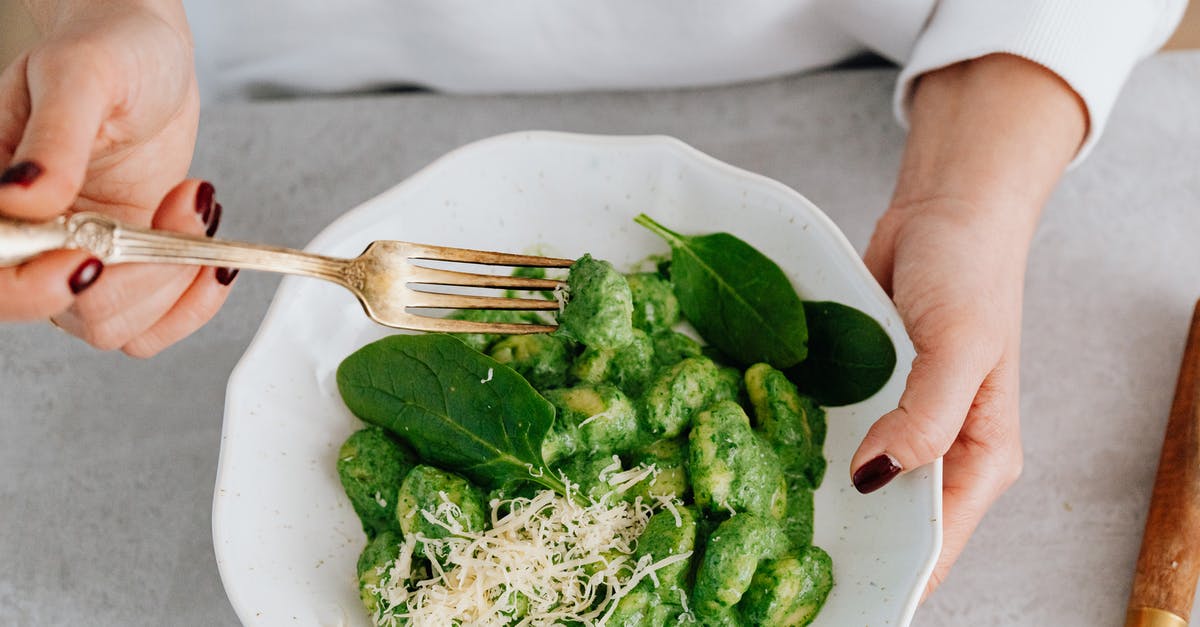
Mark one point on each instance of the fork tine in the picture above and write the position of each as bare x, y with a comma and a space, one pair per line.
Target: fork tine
446, 325
466, 255
436, 300
434, 276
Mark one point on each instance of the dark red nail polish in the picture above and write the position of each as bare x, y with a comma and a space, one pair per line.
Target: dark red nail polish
876, 473
214, 220
85, 275
23, 174
225, 276
204, 200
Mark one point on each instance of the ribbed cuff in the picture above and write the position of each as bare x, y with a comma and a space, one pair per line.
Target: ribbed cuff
1091, 44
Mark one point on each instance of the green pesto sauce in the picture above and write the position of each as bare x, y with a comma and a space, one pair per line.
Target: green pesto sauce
739, 451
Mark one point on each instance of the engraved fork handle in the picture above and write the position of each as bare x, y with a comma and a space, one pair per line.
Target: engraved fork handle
114, 242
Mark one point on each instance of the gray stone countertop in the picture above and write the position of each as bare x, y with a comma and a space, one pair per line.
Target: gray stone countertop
107, 463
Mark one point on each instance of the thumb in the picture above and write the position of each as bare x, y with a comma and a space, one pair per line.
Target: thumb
66, 104
940, 390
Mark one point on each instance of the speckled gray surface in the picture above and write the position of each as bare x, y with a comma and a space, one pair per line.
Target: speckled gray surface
107, 464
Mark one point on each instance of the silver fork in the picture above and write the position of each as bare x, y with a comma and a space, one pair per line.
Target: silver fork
382, 277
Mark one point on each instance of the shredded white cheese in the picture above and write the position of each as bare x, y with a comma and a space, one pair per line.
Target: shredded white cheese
644, 569
545, 560
607, 472
596, 416
379, 499
491, 371
667, 501
623, 481
562, 294
686, 616
403, 564
392, 592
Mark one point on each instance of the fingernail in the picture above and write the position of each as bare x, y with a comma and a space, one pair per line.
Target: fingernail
23, 174
225, 276
85, 275
876, 473
204, 201
214, 220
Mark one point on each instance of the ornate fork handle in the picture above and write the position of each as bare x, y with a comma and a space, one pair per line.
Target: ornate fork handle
113, 242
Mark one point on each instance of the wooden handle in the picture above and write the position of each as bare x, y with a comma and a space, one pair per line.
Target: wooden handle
1169, 564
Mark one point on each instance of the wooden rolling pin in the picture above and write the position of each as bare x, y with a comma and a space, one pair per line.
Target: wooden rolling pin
1169, 564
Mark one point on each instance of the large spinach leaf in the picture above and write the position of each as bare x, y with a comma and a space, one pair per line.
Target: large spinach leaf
737, 298
457, 408
849, 355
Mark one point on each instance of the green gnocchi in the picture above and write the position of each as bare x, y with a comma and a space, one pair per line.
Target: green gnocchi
434, 504
720, 462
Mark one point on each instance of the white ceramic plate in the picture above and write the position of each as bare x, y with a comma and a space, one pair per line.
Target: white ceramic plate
287, 539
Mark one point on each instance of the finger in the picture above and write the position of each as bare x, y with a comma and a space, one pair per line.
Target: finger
128, 300
46, 285
208, 290
67, 104
975, 475
194, 309
944, 381
881, 253
135, 297
188, 208
14, 108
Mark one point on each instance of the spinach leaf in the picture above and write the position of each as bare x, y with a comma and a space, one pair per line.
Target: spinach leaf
849, 355
737, 298
457, 408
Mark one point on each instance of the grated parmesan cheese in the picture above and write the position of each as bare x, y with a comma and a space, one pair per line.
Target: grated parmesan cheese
596, 416
612, 467
546, 560
623, 481
686, 616
667, 501
562, 294
645, 569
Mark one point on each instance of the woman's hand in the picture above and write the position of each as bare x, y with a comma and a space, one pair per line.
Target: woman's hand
101, 116
955, 273
990, 138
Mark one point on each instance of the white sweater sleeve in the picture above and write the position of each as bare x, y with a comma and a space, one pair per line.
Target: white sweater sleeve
1091, 44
